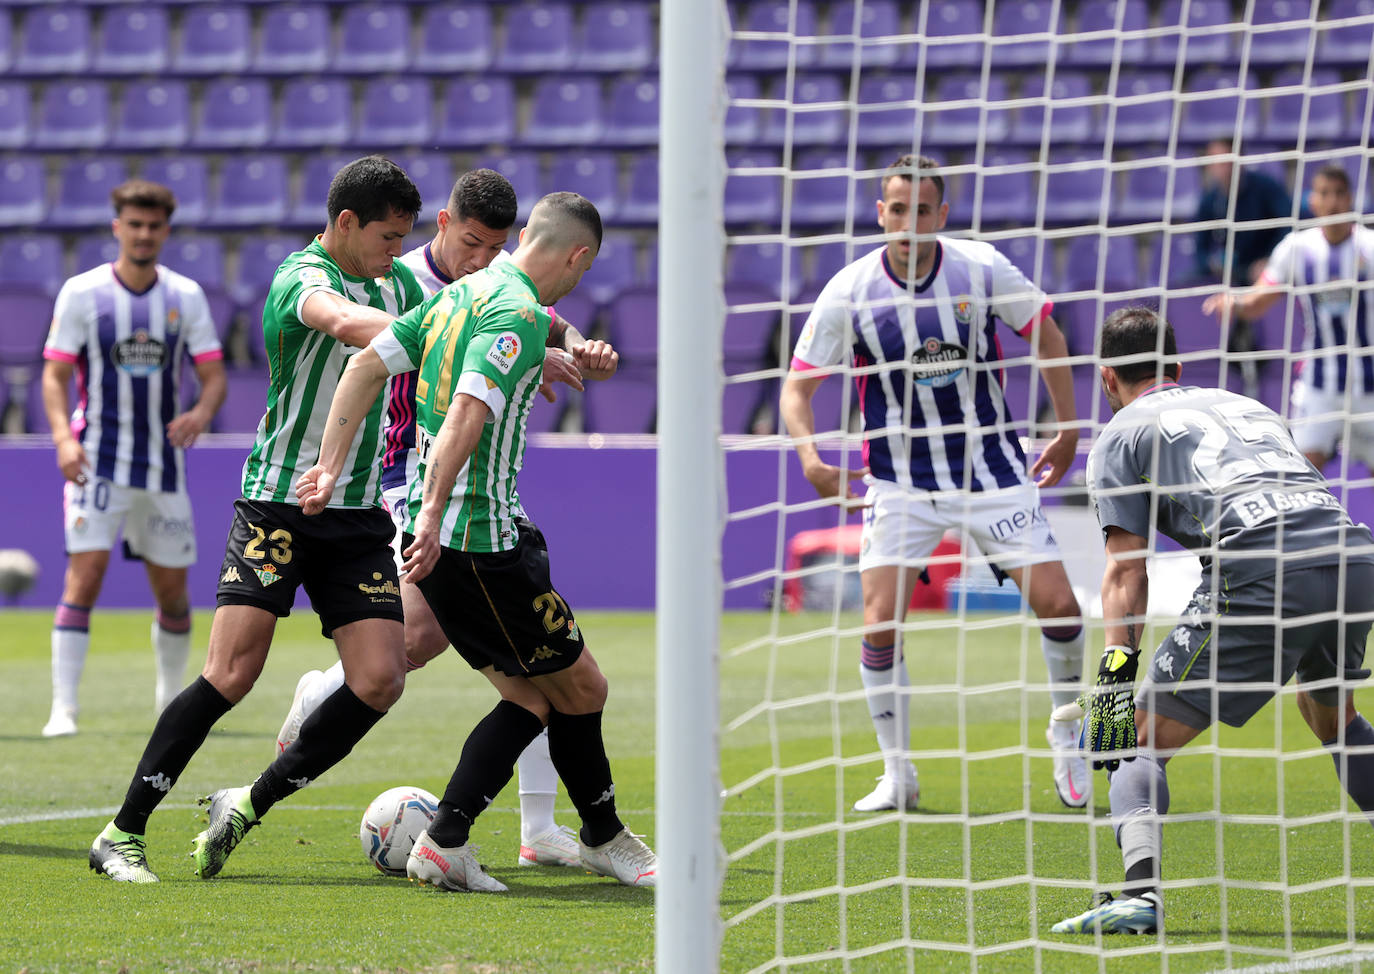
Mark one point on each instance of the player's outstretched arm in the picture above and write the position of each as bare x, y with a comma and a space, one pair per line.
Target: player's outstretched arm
1250, 303
352, 324
1109, 719
183, 430
798, 389
453, 447
1051, 348
71, 457
362, 382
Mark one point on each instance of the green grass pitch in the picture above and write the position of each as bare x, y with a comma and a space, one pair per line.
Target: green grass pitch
973, 879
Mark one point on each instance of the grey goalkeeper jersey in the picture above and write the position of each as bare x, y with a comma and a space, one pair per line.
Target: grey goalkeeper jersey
1219, 474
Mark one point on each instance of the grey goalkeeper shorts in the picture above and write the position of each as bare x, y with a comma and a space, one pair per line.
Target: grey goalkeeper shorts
1229, 655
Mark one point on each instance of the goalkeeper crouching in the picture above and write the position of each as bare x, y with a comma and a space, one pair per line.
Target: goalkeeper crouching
1287, 588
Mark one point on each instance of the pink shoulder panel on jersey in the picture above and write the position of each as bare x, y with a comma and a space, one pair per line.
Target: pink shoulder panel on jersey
1039, 316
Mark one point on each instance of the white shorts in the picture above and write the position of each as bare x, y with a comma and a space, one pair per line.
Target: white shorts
394, 500
1320, 417
157, 526
902, 527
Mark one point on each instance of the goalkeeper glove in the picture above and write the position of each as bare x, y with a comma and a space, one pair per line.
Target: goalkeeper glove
1109, 708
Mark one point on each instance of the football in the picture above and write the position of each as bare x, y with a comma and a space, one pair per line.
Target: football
391, 824
18, 571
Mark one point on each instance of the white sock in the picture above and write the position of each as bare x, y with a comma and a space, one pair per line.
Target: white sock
171, 649
538, 787
890, 712
1064, 660
71, 640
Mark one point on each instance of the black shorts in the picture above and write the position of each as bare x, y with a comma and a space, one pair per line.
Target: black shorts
342, 557
500, 608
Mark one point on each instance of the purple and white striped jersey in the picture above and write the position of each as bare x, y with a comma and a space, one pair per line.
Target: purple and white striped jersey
128, 349
1336, 297
926, 359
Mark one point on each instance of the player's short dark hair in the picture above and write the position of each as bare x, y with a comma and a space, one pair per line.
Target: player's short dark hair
144, 195
905, 165
579, 208
1142, 338
1335, 172
486, 196
373, 187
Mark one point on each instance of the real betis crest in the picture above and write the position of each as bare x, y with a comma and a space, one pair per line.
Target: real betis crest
267, 575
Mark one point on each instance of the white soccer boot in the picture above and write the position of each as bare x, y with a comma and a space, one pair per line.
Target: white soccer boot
1134, 914
556, 846
61, 722
625, 858
451, 869
1072, 779
291, 728
892, 793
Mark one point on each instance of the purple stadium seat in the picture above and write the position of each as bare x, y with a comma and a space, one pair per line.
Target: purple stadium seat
34, 259
252, 190
1075, 195
455, 37
28, 315
199, 256
54, 39
971, 124
94, 250
761, 266
1279, 47
878, 19
522, 169
1149, 116
578, 309
153, 114
293, 38
545, 417
1025, 251
825, 261
740, 402
1008, 197
245, 403
214, 38
821, 200
15, 124
747, 337
1350, 44
6, 41
564, 111
188, 177
953, 18
1214, 117
133, 40
640, 204
1018, 20
1121, 264
1067, 123
614, 270
1146, 196
314, 113
1326, 111
595, 175
433, 175
1182, 252
395, 112
23, 198
887, 110
626, 404
74, 115
822, 127
752, 197
632, 326
259, 258
614, 36
538, 37
1218, 48
632, 112
742, 121
234, 113
476, 111
309, 208
83, 193
373, 37
767, 16
1106, 15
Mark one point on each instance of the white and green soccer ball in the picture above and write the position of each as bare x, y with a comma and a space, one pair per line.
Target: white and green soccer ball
391, 825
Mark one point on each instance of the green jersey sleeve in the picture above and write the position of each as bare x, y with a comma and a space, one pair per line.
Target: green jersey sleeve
296, 280
507, 343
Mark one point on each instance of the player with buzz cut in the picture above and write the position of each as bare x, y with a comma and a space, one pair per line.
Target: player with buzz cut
124, 329
1328, 266
480, 563
1287, 587
471, 232
324, 302
920, 324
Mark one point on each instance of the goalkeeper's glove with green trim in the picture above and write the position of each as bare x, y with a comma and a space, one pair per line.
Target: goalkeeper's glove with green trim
1109, 708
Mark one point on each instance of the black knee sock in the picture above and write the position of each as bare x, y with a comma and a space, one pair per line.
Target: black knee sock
176, 737
326, 737
484, 767
579, 756
1356, 771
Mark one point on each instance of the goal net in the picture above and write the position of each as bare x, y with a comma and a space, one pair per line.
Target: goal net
1079, 139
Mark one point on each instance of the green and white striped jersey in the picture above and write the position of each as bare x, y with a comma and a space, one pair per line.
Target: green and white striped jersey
305, 368
484, 336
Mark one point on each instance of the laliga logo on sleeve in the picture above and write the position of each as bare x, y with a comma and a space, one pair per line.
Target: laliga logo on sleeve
504, 351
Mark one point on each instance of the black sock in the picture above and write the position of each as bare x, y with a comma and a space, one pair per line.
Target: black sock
1141, 878
1356, 771
326, 737
484, 767
579, 756
177, 735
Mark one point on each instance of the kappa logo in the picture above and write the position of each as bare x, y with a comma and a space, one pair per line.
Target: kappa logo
231, 574
1180, 635
159, 781
504, 351
1165, 664
298, 782
543, 652
606, 795
267, 575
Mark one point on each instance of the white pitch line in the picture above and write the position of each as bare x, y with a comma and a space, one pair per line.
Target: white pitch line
1324, 963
